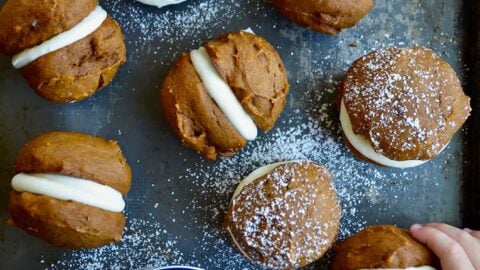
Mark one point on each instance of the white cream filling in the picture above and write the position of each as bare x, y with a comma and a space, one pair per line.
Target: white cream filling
255, 175
248, 30
161, 3
238, 245
84, 28
222, 94
69, 188
364, 146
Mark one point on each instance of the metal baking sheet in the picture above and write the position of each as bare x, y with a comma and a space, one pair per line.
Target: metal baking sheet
177, 201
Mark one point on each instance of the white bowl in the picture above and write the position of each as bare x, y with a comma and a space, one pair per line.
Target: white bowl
177, 267
161, 3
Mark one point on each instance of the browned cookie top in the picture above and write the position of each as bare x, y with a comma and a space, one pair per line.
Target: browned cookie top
76, 154
79, 65
254, 71
194, 115
287, 218
407, 102
381, 246
27, 23
326, 16
65, 224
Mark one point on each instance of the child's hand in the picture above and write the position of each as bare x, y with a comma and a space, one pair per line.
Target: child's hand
457, 249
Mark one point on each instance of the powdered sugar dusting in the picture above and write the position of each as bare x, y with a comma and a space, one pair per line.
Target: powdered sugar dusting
166, 24
144, 241
187, 206
286, 218
147, 242
301, 138
408, 102
192, 21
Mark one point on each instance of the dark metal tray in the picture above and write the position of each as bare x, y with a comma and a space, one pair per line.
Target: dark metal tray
178, 199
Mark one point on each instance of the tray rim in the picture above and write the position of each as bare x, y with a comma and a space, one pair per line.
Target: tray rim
471, 185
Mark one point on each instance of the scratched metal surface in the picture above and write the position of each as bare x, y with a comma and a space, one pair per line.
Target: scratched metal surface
128, 110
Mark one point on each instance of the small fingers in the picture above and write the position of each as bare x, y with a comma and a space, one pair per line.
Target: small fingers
451, 254
470, 244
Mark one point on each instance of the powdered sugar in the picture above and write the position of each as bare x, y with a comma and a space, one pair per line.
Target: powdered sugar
145, 241
404, 106
299, 137
287, 217
192, 21
178, 220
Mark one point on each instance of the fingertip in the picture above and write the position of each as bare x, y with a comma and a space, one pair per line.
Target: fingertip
415, 227
419, 232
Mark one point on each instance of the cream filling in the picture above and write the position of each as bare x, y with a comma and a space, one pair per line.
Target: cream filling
161, 3
364, 146
255, 175
69, 188
222, 94
238, 245
248, 30
84, 28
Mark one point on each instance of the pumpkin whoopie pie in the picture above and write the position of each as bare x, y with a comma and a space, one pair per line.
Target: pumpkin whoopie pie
400, 107
66, 50
382, 247
284, 215
215, 97
68, 190
327, 16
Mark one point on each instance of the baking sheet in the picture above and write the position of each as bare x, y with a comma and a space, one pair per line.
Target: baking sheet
178, 199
